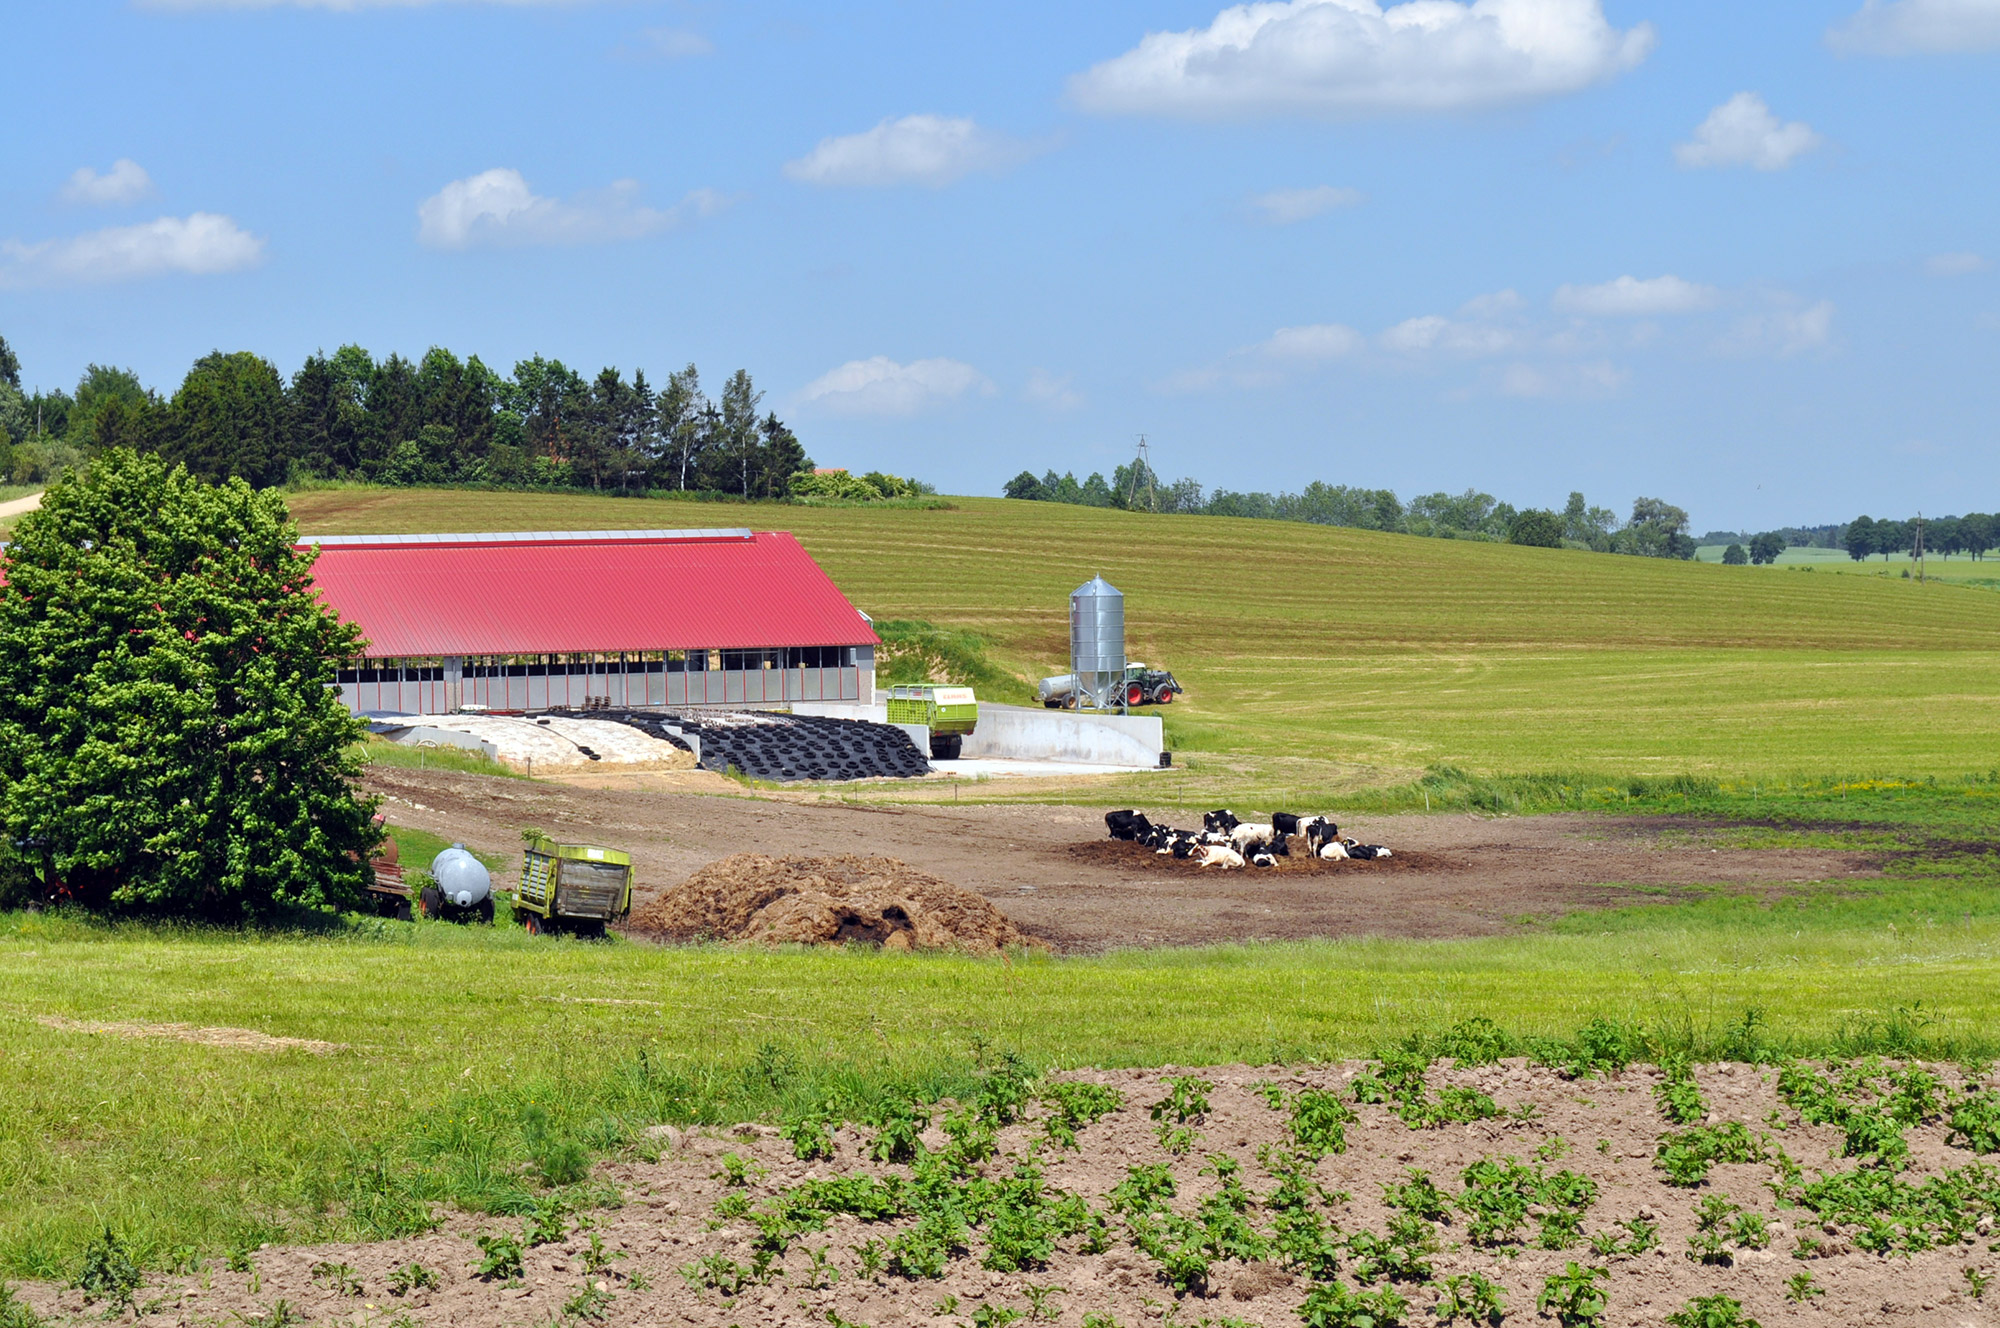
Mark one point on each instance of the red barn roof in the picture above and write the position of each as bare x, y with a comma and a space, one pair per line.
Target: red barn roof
574, 591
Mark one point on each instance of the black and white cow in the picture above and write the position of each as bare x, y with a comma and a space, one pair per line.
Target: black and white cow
1127, 825
1320, 833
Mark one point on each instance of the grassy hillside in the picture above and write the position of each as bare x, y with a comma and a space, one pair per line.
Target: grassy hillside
1393, 651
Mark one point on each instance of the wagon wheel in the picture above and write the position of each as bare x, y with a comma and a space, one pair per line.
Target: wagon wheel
532, 923
431, 901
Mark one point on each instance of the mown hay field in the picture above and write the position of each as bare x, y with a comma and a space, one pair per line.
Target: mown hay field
1389, 651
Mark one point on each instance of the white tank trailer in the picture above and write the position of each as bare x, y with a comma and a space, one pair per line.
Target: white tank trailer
462, 888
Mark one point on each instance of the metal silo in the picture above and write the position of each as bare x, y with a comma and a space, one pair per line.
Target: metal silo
1097, 644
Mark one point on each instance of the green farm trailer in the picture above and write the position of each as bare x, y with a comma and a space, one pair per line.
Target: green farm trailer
572, 887
951, 713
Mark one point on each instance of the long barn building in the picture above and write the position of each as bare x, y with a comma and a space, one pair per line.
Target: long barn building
667, 618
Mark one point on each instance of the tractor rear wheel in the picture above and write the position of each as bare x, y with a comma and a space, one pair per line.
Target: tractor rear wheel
1135, 695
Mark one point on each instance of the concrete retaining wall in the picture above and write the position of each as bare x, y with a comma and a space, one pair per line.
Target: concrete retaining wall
876, 714
1032, 733
1060, 735
422, 735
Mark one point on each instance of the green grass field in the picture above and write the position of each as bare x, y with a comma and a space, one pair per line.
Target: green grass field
1318, 659
1959, 570
447, 1035
1390, 653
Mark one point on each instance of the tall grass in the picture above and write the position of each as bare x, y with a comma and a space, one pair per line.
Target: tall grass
916, 651
381, 751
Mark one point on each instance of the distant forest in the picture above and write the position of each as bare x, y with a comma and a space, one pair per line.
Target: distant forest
439, 420
1657, 529
1973, 534
443, 420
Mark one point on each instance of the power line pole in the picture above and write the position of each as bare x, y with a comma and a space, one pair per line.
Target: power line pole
1142, 462
1920, 548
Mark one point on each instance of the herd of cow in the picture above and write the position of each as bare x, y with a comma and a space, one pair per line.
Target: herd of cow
1226, 841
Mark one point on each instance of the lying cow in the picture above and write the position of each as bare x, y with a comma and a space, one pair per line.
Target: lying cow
1246, 837
1127, 825
1319, 834
1215, 855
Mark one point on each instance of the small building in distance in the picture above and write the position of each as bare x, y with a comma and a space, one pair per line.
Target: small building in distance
580, 619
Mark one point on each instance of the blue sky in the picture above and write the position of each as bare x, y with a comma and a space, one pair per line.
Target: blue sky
1737, 256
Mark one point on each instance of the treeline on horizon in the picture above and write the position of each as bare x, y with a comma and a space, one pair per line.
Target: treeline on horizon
439, 420
1974, 533
1657, 529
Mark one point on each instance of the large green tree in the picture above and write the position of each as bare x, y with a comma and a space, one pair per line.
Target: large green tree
168, 739
228, 420
1536, 527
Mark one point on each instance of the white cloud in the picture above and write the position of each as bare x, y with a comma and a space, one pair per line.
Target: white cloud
1780, 331
1264, 363
880, 386
125, 182
203, 244
1743, 132
917, 149
1315, 341
1355, 56
1477, 329
1911, 27
1633, 297
1955, 265
497, 208
1498, 304
671, 44
1283, 207
1597, 378
1054, 391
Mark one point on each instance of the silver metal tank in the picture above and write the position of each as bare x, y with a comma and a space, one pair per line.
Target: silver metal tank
461, 877
1097, 643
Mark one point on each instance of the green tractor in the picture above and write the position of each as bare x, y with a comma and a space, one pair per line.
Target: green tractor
1143, 686
951, 713
572, 887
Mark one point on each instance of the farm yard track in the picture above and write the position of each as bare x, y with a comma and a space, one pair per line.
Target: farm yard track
1052, 872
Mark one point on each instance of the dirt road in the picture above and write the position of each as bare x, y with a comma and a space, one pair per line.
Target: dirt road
1044, 866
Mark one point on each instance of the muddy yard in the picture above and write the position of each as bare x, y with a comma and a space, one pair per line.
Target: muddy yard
1053, 873
1224, 1197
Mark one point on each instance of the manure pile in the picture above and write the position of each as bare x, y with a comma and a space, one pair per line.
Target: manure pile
827, 901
